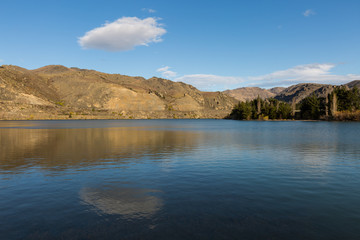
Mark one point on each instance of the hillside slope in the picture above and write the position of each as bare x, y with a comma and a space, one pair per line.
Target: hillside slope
355, 83
294, 93
298, 92
55, 91
250, 93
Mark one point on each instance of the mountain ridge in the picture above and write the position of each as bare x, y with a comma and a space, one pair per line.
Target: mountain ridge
59, 92
294, 93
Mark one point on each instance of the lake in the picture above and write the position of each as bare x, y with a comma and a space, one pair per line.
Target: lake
179, 179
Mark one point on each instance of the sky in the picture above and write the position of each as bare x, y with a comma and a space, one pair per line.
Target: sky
213, 45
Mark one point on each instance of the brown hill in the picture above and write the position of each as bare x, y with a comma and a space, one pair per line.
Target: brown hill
294, 93
55, 91
249, 93
276, 90
355, 83
298, 92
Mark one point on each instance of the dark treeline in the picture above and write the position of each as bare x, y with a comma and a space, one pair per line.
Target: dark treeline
341, 104
262, 109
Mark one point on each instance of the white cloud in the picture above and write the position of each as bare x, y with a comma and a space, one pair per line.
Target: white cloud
309, 73
309, 12
123, 34
1, 60
209, 82
148, 10
300, 71
163, 69
166, 73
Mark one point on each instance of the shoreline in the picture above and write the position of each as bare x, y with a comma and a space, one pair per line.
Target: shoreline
95, 119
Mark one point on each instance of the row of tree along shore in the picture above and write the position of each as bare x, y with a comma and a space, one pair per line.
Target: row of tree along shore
342, 104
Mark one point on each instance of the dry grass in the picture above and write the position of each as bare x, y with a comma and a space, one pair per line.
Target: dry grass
347, 116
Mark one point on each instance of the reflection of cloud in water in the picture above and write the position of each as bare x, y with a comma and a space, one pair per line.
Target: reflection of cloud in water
129, 202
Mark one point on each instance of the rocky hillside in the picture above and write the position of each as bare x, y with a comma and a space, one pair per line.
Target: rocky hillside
57, 92
352, 84
250, 93
298, 92
294, 93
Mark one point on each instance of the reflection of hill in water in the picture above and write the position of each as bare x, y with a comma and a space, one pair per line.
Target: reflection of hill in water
129, 202
64, 148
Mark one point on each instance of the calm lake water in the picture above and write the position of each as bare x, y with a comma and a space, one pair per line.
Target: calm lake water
179, 179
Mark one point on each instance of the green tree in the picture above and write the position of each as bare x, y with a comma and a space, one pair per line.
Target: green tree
242, 111
310, 108
284, 111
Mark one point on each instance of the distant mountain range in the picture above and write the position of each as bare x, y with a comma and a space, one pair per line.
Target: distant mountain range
294, 93
58, 92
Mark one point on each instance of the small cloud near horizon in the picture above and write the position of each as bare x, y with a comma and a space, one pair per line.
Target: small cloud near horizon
309, 12
166, 73
123, 34
149, 10
1, 60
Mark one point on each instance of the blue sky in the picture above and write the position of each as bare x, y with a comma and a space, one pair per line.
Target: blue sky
213, 45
